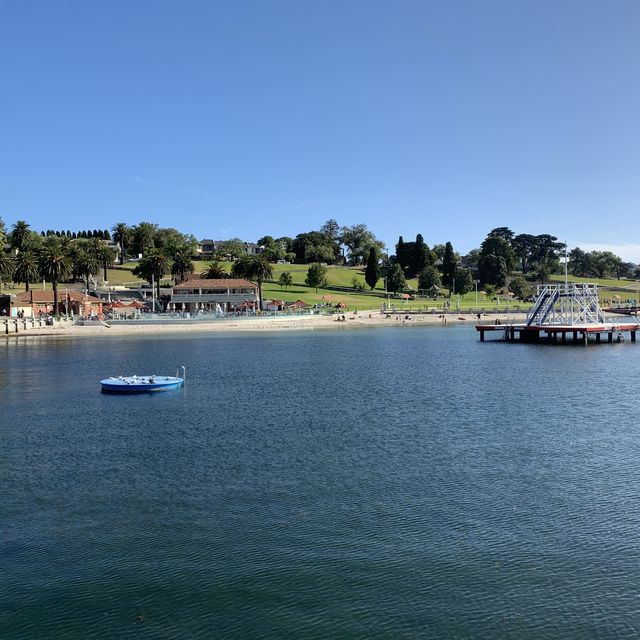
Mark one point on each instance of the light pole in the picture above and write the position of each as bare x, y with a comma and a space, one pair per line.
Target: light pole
476, 283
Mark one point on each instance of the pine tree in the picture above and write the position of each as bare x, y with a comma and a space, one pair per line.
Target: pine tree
401, 254
420, 256
372, 273
448, 266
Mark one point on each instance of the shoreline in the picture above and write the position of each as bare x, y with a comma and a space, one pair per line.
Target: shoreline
362, 319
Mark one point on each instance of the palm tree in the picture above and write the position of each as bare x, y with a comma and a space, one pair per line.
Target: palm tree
54, 266
182, 265
121, 234
104, 255
19, 234
256, 268
6, 266
87, 264
214, 270
152, 267
26, 268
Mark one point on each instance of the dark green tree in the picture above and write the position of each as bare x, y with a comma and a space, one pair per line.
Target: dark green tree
144, 235
87, 264
498, 246
372, 272
449, 265
104, 255
420, 256
395, 279
7, 267
464, 280
25, 268
181, 264
401, 255
492, 270
428, 278
20, 232
121, 235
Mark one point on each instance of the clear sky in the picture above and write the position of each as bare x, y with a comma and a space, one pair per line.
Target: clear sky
247, 118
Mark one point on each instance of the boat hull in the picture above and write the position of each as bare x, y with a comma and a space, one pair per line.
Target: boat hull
140, 384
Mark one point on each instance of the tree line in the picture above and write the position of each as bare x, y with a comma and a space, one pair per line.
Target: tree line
504, 258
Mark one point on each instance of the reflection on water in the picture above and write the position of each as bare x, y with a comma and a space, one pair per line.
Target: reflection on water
386, 483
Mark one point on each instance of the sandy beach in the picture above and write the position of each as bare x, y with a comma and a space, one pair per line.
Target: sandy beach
271, 323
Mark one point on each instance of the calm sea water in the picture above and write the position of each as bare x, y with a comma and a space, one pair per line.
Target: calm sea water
384, 483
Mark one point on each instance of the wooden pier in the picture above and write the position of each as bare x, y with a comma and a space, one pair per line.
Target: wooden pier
576, 334
562, 313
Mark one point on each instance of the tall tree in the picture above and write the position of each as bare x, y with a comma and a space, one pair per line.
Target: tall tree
255, 268
87, 264
395, 279
3, 234
6, 267
401, 254
19, 234
498, 246
104, 255
464, 280
502, 232
144, 235
372, 272
524, 245
331, 229
449, 264
182, 266
121, 235
358, 240
26, 268
492, 270
54, 266
428, 278
420, 256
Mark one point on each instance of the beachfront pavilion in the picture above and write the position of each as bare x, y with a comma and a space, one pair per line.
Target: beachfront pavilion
36, 303
201, 294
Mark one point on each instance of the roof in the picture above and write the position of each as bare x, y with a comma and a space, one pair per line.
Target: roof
39, 296
213, 283
207, 241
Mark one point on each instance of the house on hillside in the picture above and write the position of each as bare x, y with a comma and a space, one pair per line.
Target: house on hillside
207, 247
225, 294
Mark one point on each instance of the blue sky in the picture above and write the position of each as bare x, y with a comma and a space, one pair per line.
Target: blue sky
269, 117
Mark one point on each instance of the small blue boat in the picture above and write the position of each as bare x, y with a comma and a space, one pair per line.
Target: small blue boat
142, 384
